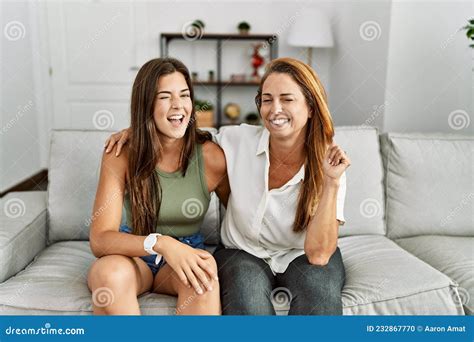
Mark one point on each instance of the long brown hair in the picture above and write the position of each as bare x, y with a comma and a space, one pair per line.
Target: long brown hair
319, 132
145, 148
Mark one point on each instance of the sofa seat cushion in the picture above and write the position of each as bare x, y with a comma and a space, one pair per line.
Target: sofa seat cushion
384, 279
55, 283
451, 255
381, 278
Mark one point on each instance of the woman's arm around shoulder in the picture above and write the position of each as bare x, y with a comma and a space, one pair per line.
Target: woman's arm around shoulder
216, 170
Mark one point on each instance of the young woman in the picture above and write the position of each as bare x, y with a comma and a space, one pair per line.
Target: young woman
288, 184
163, 179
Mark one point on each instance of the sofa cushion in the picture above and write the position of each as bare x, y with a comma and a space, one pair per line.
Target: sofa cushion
55, 283
429, 184
451, 255
74, 169
364, 204
381, 278
384, 279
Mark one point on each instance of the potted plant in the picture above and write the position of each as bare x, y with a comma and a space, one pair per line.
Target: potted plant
243, 27
470, 31
211, 76
204, 113
252, 118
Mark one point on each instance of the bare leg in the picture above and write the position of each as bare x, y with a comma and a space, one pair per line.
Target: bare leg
115, 282
189, 302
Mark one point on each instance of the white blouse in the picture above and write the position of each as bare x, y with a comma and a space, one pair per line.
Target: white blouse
257, 220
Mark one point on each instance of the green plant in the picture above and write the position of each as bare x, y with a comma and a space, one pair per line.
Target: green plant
243, 26
252, 118
202, 106
470, 31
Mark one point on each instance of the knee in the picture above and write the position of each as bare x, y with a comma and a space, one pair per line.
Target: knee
211, 273
189, 291
312, 297
325, 284
213, 264
114, 272
318, 259
201, 301
316, 300
323, 259
244, 275
318, 281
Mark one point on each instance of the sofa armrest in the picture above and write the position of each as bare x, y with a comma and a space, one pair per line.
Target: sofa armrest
23, 222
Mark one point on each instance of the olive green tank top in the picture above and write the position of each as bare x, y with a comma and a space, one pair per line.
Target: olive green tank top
184, 200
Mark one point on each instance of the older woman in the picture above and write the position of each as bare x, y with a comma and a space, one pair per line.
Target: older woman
287, 186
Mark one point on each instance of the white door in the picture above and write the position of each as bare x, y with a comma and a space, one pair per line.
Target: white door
94, 58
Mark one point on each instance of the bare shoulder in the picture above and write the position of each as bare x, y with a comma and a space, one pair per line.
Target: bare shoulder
214, 158
116, 164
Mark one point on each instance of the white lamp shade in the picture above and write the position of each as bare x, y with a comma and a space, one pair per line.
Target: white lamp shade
311, 29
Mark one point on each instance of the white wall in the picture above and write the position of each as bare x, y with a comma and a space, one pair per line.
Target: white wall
430, 68
358, 62
23, 127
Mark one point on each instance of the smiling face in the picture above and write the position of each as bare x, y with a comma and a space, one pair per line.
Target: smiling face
284, 109
173, 106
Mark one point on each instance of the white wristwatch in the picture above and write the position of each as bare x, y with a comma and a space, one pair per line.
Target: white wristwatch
148, 245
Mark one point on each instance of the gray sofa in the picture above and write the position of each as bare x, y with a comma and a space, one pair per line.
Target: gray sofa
407, 244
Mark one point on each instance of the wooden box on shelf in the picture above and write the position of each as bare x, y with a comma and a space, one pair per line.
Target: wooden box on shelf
205, 118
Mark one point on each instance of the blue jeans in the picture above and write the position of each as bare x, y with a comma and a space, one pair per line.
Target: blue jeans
248, 286
195, 241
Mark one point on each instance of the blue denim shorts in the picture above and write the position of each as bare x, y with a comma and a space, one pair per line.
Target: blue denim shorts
195, 241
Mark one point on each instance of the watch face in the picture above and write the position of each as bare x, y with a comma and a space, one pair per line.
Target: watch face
150, 242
